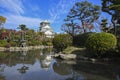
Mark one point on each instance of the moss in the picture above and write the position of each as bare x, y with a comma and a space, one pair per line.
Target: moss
72, 49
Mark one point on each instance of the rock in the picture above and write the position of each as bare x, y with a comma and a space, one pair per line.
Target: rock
82, 58
93, 60
67, 56
71, 62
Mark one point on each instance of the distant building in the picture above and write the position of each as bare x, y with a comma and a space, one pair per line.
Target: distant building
45, 27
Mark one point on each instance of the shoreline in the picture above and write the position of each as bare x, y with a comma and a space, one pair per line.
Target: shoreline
24, 48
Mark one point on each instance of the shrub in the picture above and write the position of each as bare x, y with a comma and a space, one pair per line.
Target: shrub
47, 42
33, 43
3, 43
62, 41
79, 40
13, 44
97, 44
8, 45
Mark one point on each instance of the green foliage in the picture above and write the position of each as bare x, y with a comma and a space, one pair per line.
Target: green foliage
22, 27
33, 43
13, 43
62, 41
3, 43
32, 38
47, 41
97, 44
8, 45
79, 40
3, 55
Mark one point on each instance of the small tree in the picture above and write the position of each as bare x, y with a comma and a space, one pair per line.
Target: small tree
2, 21
23, 33
71, 28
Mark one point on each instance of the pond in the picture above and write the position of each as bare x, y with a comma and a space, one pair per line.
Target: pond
39, 65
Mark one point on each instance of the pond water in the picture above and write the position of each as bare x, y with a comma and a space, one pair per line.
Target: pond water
39, 65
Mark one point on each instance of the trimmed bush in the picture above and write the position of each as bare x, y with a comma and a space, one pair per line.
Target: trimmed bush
62, 41
97, 44
79, 40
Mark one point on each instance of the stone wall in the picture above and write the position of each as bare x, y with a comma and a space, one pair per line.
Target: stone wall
23, 48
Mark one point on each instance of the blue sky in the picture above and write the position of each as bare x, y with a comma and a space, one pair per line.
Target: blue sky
32, 12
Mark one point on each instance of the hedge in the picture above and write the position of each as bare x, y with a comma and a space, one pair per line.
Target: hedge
97, 44
80, 39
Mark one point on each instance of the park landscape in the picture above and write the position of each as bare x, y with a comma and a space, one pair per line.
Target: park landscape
88, 48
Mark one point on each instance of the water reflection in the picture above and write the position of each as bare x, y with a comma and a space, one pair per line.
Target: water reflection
98, 70
2, 67
45, 64
39, 65
23, 69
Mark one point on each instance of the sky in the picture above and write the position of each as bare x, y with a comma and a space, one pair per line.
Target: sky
32, 12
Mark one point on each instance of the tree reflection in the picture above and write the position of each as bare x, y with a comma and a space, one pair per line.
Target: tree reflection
65, 68
62, 68
45, 58
46, 62
97, 71
2, 77
24, 68
2, 67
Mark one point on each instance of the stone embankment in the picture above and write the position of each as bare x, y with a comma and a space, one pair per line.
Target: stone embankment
23, 48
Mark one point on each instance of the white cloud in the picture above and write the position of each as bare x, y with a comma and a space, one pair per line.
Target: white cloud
15, 9
13, 6
13, 21
35, 8
59, 9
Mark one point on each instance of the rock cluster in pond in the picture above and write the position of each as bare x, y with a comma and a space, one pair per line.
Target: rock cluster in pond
73, 57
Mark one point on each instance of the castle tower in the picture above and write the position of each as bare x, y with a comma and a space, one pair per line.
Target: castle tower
45, 27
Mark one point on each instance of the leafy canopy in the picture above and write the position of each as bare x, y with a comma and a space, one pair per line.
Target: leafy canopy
2, 20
